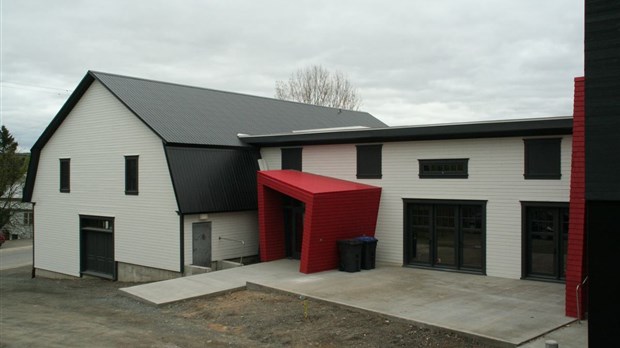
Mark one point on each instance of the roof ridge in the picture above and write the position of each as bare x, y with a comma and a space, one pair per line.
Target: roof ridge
222, 91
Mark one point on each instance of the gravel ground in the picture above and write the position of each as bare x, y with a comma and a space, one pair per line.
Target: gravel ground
91, 312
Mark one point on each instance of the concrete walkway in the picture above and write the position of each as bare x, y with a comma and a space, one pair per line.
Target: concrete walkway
500, 311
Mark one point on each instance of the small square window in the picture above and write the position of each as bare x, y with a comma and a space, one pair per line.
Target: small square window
542, 158
65, 175
131, 175
443, 168
369, 161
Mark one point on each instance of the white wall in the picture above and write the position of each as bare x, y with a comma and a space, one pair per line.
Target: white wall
235, 225
96, 136
495, 175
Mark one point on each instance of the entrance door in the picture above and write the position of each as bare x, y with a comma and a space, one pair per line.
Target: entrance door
546, 241
444, 235
97, 246
201, 244
293, 226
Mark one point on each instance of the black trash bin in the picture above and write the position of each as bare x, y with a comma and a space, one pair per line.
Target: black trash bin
350, 251
369, 250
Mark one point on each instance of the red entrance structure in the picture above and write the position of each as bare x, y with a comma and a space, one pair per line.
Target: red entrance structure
334, 209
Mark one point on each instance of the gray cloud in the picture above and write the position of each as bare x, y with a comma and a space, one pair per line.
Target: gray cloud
413, 61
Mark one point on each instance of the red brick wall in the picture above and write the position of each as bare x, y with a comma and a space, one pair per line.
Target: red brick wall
575, 265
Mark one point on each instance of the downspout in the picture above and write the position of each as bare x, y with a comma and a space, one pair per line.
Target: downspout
33, 234
182, 242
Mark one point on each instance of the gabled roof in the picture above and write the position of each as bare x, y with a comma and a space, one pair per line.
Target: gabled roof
187, 115
192, 115
484, 129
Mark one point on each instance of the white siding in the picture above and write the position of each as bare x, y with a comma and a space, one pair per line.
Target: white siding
96, 136
235, 225
495, 175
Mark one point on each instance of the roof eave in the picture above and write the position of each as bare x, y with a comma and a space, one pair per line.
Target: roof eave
533, 127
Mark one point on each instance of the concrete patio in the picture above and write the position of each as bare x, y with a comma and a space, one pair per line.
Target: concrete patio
504, 312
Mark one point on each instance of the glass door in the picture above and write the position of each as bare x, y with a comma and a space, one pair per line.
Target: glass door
445, 235
546, 239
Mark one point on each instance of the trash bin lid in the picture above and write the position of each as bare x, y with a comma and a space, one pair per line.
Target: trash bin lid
366, 239
350, 242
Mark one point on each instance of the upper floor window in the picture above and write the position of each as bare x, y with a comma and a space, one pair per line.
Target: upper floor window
369, 161
542, 158
131, 175
65, 174
291, 158
28, 218
454, 168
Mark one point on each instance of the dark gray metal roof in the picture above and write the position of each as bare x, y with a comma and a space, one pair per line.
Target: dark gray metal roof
208, 180
191, 115
198, 116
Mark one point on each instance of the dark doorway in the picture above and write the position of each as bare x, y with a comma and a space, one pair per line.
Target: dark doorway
444, 234
546, 240
201, 244
293, 226
97, 246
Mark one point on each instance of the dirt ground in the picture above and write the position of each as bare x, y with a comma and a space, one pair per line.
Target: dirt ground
91, 312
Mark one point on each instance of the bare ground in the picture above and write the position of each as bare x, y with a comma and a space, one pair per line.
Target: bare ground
92, 312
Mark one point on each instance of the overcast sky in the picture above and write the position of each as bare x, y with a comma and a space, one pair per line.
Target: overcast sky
413, 61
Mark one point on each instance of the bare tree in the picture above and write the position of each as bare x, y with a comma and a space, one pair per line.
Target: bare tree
315, 85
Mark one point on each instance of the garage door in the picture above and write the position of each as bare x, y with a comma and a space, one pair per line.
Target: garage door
97, 246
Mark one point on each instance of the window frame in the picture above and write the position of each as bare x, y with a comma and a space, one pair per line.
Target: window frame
369, 161
65, 175
28, 218
527, 165
129, 188
435, 174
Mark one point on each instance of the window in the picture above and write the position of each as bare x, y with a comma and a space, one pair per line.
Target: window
28, 218
291, 158
65, 174
445, 234
542, 158
369, 161
443, 168
131, 175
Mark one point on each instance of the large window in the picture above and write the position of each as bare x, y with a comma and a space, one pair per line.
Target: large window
443, 168
131, 175
542, 158
291, 158
65, 175
445, 234
369, 161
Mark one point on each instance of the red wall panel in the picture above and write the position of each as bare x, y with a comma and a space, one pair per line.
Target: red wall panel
329, 217
575, 265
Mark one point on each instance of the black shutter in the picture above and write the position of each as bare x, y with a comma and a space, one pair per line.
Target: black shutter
291, 158
542, 158
369, 161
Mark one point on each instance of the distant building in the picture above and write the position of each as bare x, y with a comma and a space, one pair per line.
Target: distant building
22, 221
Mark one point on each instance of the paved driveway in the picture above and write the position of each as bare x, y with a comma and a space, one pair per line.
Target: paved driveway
16, 253
503, 311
